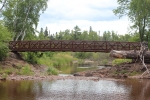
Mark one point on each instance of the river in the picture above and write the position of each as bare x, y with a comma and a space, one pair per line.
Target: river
129, 89
69, 89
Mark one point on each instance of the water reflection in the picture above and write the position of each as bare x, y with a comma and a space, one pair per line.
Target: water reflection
129, 89
140, 89
13, 90
82, 90
75, 69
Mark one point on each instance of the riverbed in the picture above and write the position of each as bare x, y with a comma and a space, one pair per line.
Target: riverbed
69, 89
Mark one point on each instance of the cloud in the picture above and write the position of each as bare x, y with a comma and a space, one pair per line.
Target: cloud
66, 14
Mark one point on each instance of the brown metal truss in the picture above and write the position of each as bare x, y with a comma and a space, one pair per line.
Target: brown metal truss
74, 46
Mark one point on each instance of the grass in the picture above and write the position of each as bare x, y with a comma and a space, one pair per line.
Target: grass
120, 61
62, 59
104, 62
123, 71
52, 71
120, 72
26, 70
4, 76
56, 62
134, 73
58, 59
6, 71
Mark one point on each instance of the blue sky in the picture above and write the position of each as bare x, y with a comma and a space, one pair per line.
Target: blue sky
66, 14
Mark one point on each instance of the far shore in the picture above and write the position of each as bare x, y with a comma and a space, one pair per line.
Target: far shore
56, 77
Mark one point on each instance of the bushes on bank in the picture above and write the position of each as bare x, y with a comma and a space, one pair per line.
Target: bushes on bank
52, 71
120, 61
3, 51
5, 37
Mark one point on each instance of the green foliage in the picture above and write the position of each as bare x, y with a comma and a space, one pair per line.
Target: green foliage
5, 35
6, 71
58, 61
22, 17
104, 62
3, 51
4, 76
115, 72
134, 73
83, 55
120, 61
32, 57
123, 71
120, 72
26, 70
62, 59
52, 71
138, 13
4, 38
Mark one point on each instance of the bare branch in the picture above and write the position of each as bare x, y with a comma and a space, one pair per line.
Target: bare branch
3, 5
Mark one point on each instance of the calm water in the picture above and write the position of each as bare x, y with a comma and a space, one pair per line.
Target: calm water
74, 69
129, 89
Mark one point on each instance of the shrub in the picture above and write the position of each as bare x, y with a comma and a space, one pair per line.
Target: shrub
8, 71
31, 57
26, 70
120, 61
134, 73
3, 51
124, 71
4, 76
104, 62
5, 36
83, 55
52, 71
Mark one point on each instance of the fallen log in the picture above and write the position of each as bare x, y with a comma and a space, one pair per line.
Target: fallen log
128, 54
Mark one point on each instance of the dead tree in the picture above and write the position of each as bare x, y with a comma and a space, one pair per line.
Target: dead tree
143, 50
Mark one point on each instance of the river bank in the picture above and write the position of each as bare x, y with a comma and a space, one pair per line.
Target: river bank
12, 67
125, 70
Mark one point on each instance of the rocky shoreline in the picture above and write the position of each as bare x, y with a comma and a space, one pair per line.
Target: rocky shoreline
55, 77
126, 70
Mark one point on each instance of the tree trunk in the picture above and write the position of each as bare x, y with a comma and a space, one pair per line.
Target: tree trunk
128, 54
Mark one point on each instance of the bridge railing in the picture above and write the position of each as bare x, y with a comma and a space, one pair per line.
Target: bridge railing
74, 46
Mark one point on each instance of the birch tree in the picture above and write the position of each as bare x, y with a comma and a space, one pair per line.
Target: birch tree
22, 16
138, 13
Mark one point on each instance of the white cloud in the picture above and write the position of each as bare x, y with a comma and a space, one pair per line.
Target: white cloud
66, 14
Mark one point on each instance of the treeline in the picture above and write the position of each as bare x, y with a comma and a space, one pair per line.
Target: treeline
77, 34
20, 20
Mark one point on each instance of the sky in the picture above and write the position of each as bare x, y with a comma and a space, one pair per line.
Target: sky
66, 14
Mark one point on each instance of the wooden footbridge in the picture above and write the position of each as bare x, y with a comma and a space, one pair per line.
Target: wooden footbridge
69, 45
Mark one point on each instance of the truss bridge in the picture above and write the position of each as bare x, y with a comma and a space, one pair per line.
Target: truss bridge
71, 46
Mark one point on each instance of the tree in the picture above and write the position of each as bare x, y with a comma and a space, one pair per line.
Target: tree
41, 35
67, 35
138, 13
22, 16
46, 32
93, 36
5, 36
3, 4
84, 35
106, 36
114, 36
90, 30
77, 33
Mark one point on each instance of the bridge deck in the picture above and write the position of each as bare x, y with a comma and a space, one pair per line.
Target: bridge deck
74, 46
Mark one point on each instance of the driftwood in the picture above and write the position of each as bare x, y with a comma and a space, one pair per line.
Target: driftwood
128, 54
141, 55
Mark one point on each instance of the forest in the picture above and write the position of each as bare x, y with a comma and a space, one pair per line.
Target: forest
19, 21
